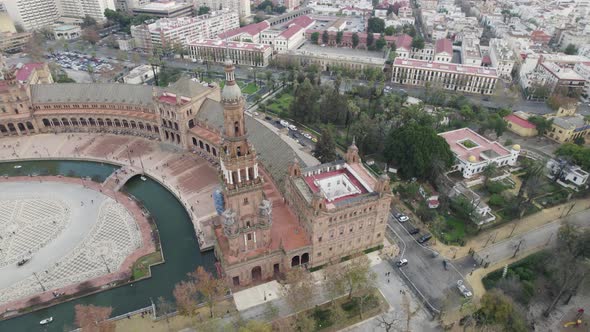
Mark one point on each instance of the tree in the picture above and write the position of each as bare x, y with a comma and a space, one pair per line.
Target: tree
414, 148
298, 289
573, 251
418, 43
530, 183
315, 37
380, 43
255, 326
498, 308
543, 124
389, 31
304, 323
325, 148
185, 294
355, 40
325, 37
90, 35
571, 49
375, 25
210, 288
88, 22
203, 10
164, 307
339, 35
370, 39
91, 318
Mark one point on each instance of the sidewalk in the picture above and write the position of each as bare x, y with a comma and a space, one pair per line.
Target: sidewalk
516, 227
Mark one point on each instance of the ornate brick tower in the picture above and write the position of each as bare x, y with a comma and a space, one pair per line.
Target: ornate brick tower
247, 216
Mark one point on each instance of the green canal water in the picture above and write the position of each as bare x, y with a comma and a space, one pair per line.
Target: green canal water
179, 244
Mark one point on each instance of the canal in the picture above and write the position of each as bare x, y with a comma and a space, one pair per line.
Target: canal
179, 244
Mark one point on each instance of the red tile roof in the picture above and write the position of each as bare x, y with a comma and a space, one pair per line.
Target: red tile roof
455, 137
25, 71
251, 29
443, 45
486, 60
519, 121
403, 41
291, 31
310, 180
302, 21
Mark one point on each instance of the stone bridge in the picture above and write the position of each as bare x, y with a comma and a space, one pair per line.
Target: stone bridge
118, 178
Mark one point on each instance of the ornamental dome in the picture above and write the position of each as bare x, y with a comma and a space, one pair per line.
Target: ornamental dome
231, 92
472, 159
516, 147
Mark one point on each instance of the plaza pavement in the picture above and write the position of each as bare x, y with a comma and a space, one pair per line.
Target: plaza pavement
117, 230
191, 178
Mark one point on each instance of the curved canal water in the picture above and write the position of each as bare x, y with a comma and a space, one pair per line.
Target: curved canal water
179, 244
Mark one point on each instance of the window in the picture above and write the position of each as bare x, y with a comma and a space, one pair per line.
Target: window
319, 254
378, 234
246, 201
330, 249
320, 239
249, 236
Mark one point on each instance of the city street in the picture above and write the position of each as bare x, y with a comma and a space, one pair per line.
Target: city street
426, 270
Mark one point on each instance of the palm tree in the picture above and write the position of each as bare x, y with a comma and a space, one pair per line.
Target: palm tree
530, 181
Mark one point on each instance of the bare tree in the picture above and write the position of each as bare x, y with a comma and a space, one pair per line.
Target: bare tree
388, 322
570, 264
210, 288
357, 274
91, 318
298, 289
185, 294
164, 307
334, 281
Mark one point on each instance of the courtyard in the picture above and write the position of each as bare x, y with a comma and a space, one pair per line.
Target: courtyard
69, 231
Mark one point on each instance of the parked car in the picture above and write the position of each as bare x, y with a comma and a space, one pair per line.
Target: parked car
414, 230
402, 262
401, 217
424, 238
267, 118
463, 289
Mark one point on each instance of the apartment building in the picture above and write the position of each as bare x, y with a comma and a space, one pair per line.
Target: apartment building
561, 78
470, 52
289, 36
502, 57
240, 6
32, 14
129, 5
13, 42
448, 76
167, 32
241, 53
443, 50
82, 8
169, 9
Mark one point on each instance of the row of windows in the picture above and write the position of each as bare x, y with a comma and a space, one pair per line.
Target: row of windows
102, 106
351, 214
350, 244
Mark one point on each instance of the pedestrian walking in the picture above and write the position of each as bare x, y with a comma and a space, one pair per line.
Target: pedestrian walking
387, 280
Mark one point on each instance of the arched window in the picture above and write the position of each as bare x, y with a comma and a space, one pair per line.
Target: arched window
237, 128
125, 124
100, 122
133, 125
46, 123
30, 126
83, 122
140, 124
109, 122
92, 122
65, 121
74, 121
117, 123
55, 122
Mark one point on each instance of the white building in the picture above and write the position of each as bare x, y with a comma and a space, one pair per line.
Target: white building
443, 50
502, 58
167, 32
470, 52
289, 36
66, 31
240, 6
92, 8
241, 53
583, 69
128, 5
483, 213
567, 173
140, 74
473, 152
32, 14
449, 76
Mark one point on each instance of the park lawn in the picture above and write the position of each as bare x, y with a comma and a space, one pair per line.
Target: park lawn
281, 104
453, 230
250, 88
322, 314
141, 267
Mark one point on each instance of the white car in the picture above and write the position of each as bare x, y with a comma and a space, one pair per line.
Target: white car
284, 123
292, 127
463, 289
306, 135
402, 262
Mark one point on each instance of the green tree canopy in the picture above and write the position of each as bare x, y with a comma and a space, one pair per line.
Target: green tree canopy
418, 42
315, 37
355, 40
578, 154
325, 37
325, 149
415, 149
543, 124
571, 49
497, 308
339, 35
376, 25
389, 31
370, 39
203, 10
380, 43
